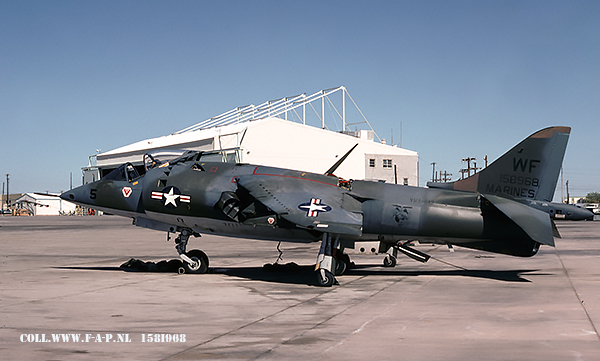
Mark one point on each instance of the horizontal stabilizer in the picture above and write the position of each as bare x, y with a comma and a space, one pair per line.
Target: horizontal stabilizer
555, 230
535, 223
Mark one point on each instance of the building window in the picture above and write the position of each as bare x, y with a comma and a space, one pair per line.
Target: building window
387, 163
372, 163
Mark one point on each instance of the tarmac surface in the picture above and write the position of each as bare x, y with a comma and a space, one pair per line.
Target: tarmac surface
60, 276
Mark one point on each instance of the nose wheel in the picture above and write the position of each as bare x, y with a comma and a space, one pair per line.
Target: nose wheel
199, 262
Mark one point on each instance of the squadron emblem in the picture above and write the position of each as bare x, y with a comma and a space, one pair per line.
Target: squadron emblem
126, 191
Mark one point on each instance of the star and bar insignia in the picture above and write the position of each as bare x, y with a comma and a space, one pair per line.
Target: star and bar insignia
171, 195
314, 207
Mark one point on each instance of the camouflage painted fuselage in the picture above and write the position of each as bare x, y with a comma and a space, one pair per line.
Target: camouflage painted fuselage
243, 200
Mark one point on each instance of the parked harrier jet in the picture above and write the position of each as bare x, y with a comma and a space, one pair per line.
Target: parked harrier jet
518, 172
191, 195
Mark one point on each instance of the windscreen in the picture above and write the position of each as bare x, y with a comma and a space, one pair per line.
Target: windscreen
125, 172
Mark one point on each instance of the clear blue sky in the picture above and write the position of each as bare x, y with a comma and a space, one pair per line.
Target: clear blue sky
464, 78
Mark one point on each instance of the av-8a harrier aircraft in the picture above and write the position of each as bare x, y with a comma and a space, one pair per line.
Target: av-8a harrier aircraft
191, 195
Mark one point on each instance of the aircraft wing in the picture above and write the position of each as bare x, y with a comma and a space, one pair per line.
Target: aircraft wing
308, 203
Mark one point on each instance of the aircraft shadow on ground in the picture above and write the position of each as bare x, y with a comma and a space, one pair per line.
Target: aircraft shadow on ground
89, 268
306, 274
292, 273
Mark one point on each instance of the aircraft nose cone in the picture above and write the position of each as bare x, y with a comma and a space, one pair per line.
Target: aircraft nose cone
587, 214
68, 196
77, 195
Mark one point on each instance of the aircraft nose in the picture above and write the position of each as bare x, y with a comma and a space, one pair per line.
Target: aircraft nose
586, 214
67, 195
77, 195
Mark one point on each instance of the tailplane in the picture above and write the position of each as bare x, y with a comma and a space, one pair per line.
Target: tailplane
529, 170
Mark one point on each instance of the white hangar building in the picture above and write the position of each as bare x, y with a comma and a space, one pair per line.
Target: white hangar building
277, 133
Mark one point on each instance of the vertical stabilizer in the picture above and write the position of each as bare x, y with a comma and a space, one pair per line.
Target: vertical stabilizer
529, 170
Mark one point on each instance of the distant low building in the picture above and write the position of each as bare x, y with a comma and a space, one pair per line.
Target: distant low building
36, 204
575, 200
5, 209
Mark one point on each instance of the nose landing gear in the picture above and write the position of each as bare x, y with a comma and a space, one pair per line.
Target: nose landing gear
194, 261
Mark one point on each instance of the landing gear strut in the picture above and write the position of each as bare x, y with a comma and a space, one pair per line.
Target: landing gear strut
390, 258
326, 263
195, 261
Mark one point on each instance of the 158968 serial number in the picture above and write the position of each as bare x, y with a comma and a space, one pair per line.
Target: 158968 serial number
163, 337
519, 180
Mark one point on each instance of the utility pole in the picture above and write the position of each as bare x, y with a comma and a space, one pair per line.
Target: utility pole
469, 168
468, 160
475, 168
562, 186
447, 176
568, 196
400, 144
7, 193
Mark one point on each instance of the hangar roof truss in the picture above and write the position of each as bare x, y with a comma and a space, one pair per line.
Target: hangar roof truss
288, 108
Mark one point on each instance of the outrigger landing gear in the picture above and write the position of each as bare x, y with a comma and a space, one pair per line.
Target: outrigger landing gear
194, 261
326, 263
390, 258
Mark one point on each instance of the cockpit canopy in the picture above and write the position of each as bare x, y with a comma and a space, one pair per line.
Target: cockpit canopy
160, 158
163, 158
125, 172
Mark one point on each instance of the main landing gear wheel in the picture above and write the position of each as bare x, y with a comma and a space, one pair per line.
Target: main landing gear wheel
342, 263
325, 278
200, 262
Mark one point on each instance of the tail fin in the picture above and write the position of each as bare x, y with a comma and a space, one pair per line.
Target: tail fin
529, 170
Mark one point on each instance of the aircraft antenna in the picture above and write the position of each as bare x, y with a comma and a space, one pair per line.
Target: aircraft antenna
339, 162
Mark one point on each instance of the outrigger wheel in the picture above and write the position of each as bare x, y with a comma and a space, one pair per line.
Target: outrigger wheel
389, 261
200, 264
